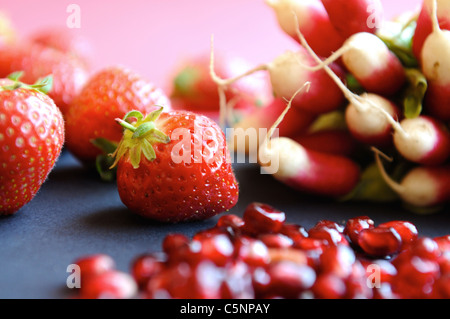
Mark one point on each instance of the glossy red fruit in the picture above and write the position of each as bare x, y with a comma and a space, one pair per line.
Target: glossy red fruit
230, 221
237, 282
94, 265
331, 235
289, 279
443, 243
216, 248
379, 241
65, 40
261, 218
178, 170
144, 267
251, 251
171, 282
337, 260
31, 139
276, 240
425, 247
355, 225
109, 285
407, 231
174, 242
109, 94
329, 286
38, 61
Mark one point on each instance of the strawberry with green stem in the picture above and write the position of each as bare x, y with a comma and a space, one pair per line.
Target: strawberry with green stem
31, 138
174, 166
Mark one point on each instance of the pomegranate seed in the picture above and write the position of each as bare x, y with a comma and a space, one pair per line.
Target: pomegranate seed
237, 283
109, 285
329, 224
407, 231
261, 218
329, 286
205, 281
276, 240
357, 284
379, 270
425, 247
443, 243
331, 235
145, 267
232, 221
337, 260
252, 251
289, 279
379, 241
174, 242
94, 265
217, 248
355, 225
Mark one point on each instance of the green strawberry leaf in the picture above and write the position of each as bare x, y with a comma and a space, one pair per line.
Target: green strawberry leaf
414, 93
15, 76
104, 161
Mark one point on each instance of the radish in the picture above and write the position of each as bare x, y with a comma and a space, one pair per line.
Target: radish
436, 67
287, 75
354, 16
369, 117
313, 21
305, 170
370, 61
423, 186
425, 24
332, 141
422, 140
263, 118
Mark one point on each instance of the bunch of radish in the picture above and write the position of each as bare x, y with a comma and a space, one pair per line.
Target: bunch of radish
357, 86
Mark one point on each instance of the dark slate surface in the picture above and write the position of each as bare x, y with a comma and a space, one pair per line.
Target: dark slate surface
75, 214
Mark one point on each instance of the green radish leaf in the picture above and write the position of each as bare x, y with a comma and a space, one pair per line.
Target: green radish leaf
372, 186
400, 43
331, 120
414, 93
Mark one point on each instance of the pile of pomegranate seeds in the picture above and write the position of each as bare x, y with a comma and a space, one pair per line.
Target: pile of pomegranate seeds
261, 256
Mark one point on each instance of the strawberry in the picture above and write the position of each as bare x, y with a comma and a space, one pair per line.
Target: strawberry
194, 90
65, 40
174, 166
31, 138
38, 61
109, 94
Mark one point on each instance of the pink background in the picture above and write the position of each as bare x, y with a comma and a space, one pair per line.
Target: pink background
153, 36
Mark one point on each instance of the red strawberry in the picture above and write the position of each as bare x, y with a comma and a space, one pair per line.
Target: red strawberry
108, 95
37, 61
7, 32
194, 90
174, 167
65, 40
31, 138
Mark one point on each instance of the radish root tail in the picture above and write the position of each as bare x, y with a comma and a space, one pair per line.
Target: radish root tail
399, 189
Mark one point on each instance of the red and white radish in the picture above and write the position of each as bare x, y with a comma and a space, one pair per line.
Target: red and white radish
423, 186
305, 170
435, 64
353, 16
369, 117
332, 141
423, 140
370, 61
263, 118
287, 75
313, 20
425, 24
